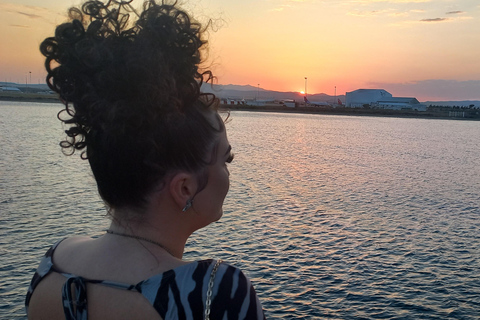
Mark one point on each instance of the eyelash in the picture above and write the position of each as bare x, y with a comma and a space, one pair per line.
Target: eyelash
230, 158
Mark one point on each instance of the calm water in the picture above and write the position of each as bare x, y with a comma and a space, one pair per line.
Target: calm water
332, 217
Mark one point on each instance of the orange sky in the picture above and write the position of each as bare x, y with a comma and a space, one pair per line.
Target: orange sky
408, 47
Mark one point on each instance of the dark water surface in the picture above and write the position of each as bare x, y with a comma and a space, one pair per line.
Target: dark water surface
332, 217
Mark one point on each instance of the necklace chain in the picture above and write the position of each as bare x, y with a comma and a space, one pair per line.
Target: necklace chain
208, 302
140, 238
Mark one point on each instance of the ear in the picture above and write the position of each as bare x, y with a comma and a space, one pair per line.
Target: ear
182, 187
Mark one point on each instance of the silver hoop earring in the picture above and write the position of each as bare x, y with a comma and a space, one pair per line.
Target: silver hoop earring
188, 205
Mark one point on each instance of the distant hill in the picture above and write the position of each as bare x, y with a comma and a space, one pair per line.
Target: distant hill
240, 87
248, 92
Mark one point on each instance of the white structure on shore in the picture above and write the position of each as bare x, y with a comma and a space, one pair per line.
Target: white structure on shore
381, 99
12, 89
357, 98
400, 104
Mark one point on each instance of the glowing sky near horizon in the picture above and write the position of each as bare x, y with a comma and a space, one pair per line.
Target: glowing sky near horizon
429, 49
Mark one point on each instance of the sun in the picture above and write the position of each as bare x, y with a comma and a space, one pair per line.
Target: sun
302, 92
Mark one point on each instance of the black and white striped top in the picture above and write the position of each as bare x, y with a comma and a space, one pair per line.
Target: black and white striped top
179, 293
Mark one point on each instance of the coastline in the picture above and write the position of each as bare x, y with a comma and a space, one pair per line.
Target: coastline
349, 112
49, 98
29, 97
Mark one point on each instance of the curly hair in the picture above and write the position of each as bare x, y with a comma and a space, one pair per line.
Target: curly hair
132, 95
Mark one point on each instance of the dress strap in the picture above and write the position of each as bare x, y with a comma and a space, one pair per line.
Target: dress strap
45, 267
74, 296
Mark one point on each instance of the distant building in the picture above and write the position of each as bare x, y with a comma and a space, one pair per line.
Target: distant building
357, 98
12, 89
233, 101
288, 103
400, 104
381, 99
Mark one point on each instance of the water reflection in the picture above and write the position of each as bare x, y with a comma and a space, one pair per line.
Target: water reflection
331, 217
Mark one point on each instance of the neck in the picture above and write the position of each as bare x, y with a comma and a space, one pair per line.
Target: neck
165, 238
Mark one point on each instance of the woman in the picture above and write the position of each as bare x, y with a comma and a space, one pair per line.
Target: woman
158, 151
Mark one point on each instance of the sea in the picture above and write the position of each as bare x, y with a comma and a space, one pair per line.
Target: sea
331, 217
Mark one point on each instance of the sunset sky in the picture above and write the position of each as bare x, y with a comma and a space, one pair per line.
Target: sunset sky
428, 49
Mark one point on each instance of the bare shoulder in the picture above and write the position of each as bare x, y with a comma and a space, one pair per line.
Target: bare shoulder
75, 242
111, 258
70, 251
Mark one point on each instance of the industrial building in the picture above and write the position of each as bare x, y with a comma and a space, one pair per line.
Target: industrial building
381, 99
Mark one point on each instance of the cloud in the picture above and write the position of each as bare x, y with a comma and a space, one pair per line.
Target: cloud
290, 2
430, 20
435, 20
464, 18
282, 5
22, 16
30, 15
281, 8
399, 14
358, 13
391, 1
433, 89
31, 12
405, 13
455, 12
19, 26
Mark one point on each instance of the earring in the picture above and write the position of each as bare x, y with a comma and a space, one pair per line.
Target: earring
188, 205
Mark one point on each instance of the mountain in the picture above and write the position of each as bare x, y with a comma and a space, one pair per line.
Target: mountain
240, 87
248, 92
